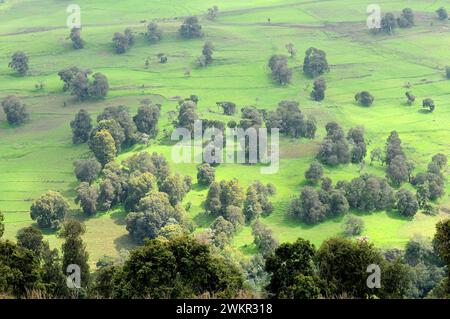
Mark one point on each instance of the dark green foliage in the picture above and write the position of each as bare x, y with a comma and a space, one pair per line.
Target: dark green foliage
251, 117
234, 215
407, 204
113, 128
206, 58
15, 110
19, 270
154, 33
364, 98
49, 210
308, 207
180, 268
74, 250
122, 116
99, 87
81, 127
256, 202
205, 174
281, 72
411, 97
393, 147
442, 13
355, 137
406, 19
67, 75
429, 104
229, 108
388, 23
187, 115
75, 37
153, 213
314, 173
399, 170
315, 62
103, 146
290, 121
354, 226
146, 119
223, 194
447, 72
442, 246
137, 188
87, 197
319, 87
175, 187
144, 162
87, 170
291, 271
191, 28
263, 238
334, 149
31, 238
19, 63
79, 86
123, 41
222, 231
342, 264
369, 193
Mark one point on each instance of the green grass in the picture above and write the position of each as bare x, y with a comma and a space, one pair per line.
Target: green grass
38, 156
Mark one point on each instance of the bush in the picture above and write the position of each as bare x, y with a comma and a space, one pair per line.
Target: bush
354, 226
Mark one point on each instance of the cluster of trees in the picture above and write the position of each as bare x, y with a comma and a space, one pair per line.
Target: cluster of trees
143, 185
335, 147
77, 81
232, 208
206, 174
123, 41
31, 269
281, 72
290, 121
206, 58
389, 22
431, 185
115, 129
180, 267
15, 110
263, 238
339, 269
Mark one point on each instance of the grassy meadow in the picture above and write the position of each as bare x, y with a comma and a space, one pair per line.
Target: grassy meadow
38, 156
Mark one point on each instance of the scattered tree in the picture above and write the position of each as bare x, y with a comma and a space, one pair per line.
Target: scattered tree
407, 204
75, 37
19, 63
146, 119
191, 28
354, 226
319, 87
280, 70
154, 33
49, 210
212, 13
205, 174
315, 62
263, 238
364, 98
15, 110
314, 173
388, 23
442, 13
411, 97
429, 104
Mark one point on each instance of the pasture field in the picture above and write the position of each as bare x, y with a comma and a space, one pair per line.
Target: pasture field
38, 156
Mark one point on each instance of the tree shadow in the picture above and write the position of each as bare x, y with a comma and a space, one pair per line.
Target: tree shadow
424, 111
124, 242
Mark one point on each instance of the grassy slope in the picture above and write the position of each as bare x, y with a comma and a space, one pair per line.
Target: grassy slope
39, 156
